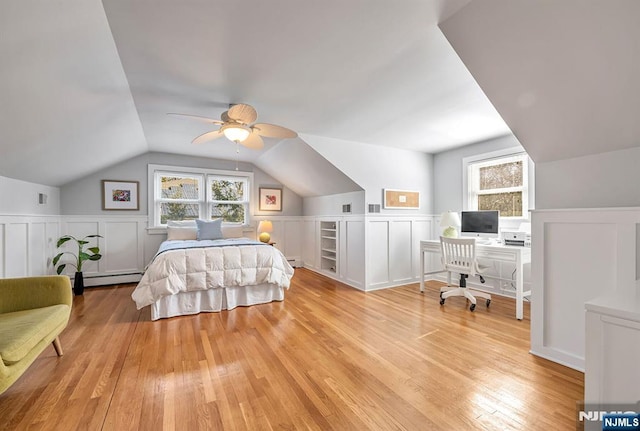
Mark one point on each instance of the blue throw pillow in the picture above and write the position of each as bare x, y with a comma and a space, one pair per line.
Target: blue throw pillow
209, 229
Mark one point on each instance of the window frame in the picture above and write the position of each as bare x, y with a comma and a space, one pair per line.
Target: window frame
154, 172
246, 202
471, 168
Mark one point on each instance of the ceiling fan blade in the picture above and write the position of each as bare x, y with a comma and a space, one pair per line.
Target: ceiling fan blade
242, 113
254, 141
273, 131
206, 137
197, 117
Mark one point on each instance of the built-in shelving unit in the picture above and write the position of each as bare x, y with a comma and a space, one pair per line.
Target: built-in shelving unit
329, 246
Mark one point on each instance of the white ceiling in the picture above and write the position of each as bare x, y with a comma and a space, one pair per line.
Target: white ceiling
84, 87
86, 84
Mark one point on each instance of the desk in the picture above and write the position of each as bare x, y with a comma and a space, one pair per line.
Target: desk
500, 253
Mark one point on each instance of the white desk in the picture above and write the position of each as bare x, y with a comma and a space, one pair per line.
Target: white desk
501, 253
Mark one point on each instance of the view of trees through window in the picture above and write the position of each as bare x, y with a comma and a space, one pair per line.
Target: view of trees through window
200, 194
223, 191
496, 184
179, 188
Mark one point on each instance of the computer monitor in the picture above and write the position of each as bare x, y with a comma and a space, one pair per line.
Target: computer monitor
480, 224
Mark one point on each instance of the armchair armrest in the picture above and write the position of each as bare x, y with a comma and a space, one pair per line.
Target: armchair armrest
26, 293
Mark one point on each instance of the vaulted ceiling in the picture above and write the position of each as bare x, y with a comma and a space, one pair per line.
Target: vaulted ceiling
85, 84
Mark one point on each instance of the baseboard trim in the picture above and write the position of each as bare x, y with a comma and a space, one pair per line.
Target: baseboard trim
107, 279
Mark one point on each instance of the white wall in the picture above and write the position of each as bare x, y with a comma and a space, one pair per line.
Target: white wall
332, 204
602, 180
447, 171
374, 168
294, 163
21, 197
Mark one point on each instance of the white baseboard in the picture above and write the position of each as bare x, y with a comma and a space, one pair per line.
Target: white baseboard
104, 280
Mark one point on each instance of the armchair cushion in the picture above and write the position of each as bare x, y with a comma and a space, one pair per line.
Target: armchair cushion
21, 331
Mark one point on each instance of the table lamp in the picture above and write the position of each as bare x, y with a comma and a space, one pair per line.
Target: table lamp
264, 228
450, 221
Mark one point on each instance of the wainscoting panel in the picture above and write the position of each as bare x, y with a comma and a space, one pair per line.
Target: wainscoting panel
27, 245
17, 243
309, 244
2, 249
400, 251
38, 257
291, 244
578, 256
122, 245
353, 260
420, 230
378, 250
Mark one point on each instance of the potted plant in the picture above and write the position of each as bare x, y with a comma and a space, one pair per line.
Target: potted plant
92, 253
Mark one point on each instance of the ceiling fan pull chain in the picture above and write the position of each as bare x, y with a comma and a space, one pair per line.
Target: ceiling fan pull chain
237, 153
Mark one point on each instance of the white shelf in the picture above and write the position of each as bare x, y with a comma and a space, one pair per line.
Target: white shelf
329, 246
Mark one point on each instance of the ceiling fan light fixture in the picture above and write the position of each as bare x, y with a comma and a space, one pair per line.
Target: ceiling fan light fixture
236, 132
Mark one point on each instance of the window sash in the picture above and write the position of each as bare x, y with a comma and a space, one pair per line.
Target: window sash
474, 181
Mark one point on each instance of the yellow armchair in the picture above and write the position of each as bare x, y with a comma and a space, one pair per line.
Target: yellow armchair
33, 312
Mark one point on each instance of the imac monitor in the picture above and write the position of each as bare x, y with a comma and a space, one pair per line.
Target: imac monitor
480, 224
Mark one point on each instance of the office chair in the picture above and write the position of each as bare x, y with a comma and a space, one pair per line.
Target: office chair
459, 255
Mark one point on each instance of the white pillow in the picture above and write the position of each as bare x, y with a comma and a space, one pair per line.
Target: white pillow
232, 231
182, 223
181, 233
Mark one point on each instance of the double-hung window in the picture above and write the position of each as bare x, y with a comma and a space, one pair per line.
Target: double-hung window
228, 198
499, 183
178, 196
193, 193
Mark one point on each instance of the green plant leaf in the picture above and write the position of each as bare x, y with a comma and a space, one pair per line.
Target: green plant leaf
57, 258
94, 236
62, 240
95, 257
61, 268
82, 242
94, 249
83, 256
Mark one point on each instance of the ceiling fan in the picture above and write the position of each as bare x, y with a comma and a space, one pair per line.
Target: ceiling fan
235, 125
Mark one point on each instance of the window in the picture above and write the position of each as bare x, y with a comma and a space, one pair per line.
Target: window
178, 196
499, 183
190, 193
227, 198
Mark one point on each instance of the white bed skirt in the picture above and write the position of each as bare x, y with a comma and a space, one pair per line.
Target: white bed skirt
214, 300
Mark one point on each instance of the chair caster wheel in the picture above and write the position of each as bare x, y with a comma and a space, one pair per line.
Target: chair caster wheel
441, 301
472, 307
488, 303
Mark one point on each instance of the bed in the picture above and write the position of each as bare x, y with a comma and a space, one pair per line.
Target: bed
190, 276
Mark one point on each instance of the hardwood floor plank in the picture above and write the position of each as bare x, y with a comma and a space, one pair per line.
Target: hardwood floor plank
329, 357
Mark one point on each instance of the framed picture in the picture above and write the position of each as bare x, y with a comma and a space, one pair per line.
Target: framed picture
401, 199
120, 195
270, 199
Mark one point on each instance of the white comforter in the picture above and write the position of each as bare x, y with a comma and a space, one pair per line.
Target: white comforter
192, 269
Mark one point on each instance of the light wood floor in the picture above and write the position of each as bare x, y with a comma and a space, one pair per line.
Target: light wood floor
327, 358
